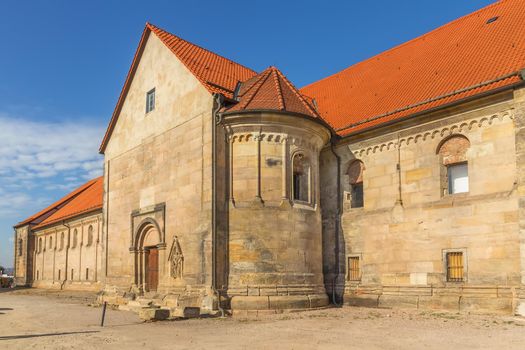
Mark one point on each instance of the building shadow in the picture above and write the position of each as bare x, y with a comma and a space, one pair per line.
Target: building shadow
7, 290
25, 336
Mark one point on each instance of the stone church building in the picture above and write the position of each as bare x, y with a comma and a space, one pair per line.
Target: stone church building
397, 182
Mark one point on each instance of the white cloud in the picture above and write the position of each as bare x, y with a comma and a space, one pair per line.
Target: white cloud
41, 155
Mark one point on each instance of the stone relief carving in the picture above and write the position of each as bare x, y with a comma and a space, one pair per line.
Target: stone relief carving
176, 259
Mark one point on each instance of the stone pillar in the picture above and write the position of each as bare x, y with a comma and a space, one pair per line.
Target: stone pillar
519, 122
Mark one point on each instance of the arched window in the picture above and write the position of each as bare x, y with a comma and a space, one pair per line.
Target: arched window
301, 178
355, 175
454, 166
75, 238
50, 242
40, 245
61, 240
90, 236
20, 246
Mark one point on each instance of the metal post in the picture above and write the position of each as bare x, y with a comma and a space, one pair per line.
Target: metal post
103, 313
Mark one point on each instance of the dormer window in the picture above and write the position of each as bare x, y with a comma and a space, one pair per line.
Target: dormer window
150, 100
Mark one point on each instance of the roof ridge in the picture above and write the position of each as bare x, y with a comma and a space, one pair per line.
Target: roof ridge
499, 2
297, 93
252, 91
153, 27
279, 89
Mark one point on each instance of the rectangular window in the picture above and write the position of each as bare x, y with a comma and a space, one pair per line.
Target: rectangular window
357, 195
150, 100
457, 178
354, 272
59, 275
71, 277
87, 274
455, 267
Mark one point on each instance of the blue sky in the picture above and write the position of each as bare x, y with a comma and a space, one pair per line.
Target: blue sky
63, 63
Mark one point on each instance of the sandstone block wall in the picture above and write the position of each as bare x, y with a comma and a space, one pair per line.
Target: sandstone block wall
68, 255
158, 171
274, 246
408, 224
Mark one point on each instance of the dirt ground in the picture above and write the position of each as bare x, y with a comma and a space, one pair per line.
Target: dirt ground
63, 320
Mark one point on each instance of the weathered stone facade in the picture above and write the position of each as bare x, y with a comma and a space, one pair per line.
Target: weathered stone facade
407, 224
157, 180
243, 196
275, 245
66, 255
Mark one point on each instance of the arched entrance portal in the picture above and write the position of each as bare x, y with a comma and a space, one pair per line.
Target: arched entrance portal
147, 245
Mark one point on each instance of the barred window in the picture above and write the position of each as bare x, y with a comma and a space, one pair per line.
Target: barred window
455, 267
354, 271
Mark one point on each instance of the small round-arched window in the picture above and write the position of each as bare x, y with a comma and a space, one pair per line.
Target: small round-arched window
90, 236
50, 242
40, 245
75, 238
61, 240
355, 175
454, 165
301, 184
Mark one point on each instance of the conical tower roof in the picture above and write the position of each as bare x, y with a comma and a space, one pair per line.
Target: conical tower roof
270, 90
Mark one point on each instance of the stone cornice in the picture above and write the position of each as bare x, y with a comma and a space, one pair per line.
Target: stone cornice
441, 132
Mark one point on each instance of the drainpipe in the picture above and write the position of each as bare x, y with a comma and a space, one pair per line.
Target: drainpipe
218, 101
67, 254
337, 225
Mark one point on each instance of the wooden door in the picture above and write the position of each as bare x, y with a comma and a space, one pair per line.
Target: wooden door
152, 269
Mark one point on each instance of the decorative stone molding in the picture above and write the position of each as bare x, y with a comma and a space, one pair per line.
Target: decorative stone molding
437, 133
153, 215
299, 141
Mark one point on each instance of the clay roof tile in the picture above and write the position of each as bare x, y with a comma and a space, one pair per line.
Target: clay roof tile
478, 53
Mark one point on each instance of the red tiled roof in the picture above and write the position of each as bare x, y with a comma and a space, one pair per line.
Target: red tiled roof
216, 73
271, 90
459, 60
85, 199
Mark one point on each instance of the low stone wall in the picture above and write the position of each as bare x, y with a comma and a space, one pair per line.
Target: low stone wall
475, 299
68, 285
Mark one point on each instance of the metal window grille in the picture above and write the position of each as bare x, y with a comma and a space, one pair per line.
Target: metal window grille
455, 267
354, 273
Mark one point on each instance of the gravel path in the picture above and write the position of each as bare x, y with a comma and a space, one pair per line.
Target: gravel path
62, 320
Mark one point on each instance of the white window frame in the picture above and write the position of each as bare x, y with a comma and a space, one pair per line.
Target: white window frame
150, 101
464, 187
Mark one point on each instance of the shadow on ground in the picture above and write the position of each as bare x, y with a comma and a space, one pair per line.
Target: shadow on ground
24, 336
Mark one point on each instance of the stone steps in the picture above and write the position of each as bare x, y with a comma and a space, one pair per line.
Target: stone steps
150, 309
